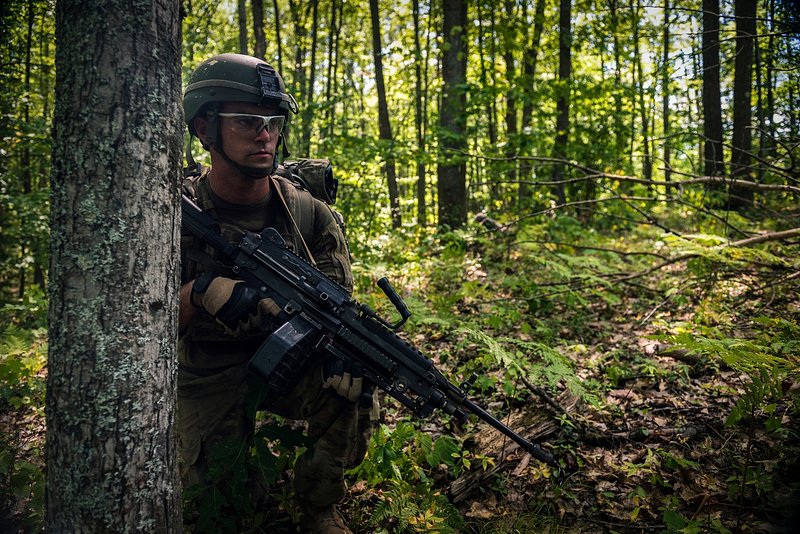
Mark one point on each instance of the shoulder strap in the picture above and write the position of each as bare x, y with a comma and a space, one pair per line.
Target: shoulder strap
289, 213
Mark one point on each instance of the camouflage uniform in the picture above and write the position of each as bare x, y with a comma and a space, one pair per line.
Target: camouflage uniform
213, 384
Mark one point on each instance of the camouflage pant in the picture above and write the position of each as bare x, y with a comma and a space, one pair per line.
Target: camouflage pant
214, 409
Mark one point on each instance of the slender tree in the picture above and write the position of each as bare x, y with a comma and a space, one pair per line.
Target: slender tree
260, 49
712, 107
241, 12
529, 79
510, 44
665, 91
563, 95
384, 126
745, 12
25, 167
419, 105
334, 28
299, 75
619, 128
451, 172
644, 117
110, 449
308, 101
487, 87
277, 29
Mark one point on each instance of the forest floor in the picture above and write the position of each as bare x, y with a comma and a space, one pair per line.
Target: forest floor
652, 447
654, 456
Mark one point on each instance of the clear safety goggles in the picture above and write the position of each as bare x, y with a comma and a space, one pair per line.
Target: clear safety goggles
248, 123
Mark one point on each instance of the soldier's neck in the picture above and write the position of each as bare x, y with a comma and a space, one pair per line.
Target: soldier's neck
237, 188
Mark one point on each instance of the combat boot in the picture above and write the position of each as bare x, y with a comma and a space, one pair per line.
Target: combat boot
322, 520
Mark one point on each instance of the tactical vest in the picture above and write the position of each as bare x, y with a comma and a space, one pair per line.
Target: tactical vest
312, 175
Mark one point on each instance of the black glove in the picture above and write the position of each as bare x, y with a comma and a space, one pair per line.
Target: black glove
236, 305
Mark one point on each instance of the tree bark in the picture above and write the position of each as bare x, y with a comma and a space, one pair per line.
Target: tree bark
112, 462
384, 126
451, 171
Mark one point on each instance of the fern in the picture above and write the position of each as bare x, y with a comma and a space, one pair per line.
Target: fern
403, 508
716, 249
534, 361
768, 359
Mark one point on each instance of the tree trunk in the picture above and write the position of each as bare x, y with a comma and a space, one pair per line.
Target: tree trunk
529, 78
451, 171
745, 11
384, 126
760, 111
308, 104
510, 44
25, 160
712, 107
665, 93
487, 82
418, 119
298, 84
619, 127
260, 50
647, 163
767, 143
333, 40
112, 462
241, 12
277, 29
562, 99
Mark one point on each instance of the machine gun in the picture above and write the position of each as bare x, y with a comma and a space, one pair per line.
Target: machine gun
323, 316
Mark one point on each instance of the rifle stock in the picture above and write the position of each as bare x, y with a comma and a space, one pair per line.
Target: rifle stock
322, 315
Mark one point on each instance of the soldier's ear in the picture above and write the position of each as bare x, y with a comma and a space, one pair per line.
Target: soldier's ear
201, 128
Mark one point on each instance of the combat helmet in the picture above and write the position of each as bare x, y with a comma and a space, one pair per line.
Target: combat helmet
234, 78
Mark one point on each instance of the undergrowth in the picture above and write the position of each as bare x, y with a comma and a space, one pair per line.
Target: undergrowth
569, 309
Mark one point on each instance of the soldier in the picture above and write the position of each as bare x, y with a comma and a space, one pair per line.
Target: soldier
238, 107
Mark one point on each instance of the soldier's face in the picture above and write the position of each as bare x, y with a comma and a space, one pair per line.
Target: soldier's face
251, 147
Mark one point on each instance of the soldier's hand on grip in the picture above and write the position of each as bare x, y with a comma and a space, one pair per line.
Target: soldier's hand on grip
237, 306
345, 379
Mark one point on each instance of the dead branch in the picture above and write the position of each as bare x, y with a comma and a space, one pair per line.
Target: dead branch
588, 247
769, 236
590, 174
